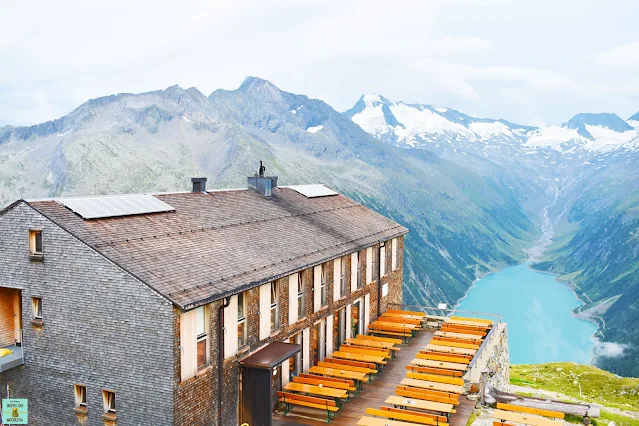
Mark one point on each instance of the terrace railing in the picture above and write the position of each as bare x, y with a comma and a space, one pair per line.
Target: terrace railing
438, 312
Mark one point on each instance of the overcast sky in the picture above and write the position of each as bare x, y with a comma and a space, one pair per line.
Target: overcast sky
528, 61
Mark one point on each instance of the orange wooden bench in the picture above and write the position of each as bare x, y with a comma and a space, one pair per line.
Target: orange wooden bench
431, 370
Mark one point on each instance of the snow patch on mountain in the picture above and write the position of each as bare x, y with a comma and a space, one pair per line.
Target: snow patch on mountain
315, 129
552, 136
417, 125
490, 128
423, 122
607, 139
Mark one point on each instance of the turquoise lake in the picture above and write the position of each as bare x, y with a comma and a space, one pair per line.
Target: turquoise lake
538, 310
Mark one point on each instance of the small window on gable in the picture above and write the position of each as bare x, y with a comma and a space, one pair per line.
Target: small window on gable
35, 243
36, 307
108, 400
80, 397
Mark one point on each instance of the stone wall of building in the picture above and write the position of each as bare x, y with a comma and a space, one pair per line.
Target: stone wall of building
231, 381
101, 328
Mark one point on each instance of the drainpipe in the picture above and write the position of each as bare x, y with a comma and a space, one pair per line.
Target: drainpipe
220, 358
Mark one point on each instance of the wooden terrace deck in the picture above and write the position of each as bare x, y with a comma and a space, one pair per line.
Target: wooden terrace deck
375, 393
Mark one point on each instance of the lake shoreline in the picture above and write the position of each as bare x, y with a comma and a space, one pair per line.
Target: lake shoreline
579, 315
492, 270
544, 308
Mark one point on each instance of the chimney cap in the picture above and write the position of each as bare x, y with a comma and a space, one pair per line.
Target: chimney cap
199, 184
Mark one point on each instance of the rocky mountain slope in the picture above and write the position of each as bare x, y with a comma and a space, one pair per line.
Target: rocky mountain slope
156, 141
472, 190
588, 169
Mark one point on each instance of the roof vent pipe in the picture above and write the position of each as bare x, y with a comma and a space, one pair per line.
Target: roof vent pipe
261, 184
199, 184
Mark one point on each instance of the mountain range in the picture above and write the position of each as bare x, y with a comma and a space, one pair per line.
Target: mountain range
475, 192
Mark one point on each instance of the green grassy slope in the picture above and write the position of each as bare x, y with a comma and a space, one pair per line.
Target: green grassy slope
597, 386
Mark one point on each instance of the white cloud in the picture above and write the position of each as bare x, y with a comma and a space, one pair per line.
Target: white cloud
626, 54
461, 53
452, 45
610, 349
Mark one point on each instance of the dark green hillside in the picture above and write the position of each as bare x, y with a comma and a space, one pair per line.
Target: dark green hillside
600, 255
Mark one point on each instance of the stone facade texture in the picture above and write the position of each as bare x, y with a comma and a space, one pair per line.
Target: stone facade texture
104, 329
101, 328
231, 389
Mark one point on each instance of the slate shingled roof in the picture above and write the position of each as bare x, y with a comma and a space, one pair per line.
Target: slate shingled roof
219, 243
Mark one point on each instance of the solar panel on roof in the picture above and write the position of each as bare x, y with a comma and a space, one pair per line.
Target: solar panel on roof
312, 191
115, 205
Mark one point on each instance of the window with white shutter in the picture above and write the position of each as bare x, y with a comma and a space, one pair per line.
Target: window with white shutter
231, 319
354, 271
265, 311
242, 326
324, 284
337, 273
394, 254
367, 312
306, 348
301, 296
369, 265
188, 345
292, 299
317, 291
382, 260
275, 307
329, 335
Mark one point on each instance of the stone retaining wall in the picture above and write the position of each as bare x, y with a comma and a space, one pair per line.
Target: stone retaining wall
494, 358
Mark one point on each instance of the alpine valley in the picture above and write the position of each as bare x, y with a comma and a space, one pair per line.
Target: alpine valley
477, 194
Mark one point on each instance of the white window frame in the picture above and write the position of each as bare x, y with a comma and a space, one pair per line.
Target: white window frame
33, 242
354, 263
203, 336
36, 308
274, 305
317, 291
265, 313
324, 284
301, 296
293, 309
337, 273
80, 393
394, 245
384, 289
242, 300
369, 265
108, 402
359, 283
342, 277
382, 259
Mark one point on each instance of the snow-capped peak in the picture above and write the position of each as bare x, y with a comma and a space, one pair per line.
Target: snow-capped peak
414, 124
418, 125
